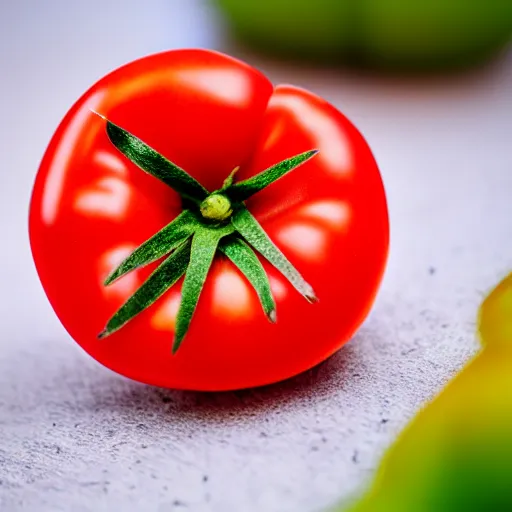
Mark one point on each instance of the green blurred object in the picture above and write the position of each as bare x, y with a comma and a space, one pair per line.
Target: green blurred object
456, 455
415, 34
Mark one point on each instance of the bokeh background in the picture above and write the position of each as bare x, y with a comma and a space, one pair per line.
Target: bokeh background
430, 89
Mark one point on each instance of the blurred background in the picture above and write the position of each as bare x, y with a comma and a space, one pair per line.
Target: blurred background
429, 84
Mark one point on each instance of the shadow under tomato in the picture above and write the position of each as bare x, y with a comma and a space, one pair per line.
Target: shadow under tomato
124, 396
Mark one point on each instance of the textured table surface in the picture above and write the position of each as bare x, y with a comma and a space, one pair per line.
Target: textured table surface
75, 437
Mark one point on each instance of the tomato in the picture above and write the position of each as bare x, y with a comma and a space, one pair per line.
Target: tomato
384, 33
209, 113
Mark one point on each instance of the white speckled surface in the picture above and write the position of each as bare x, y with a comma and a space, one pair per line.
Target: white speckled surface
74, 437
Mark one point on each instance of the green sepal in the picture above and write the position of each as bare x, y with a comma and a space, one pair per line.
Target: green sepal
155, 164
244, 189
229, 180
165, 276
157, 246
253, 233
196, 235
204, 246
250, 266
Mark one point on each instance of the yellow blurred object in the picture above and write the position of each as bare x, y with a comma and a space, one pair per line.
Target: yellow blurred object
456, 455
495, 318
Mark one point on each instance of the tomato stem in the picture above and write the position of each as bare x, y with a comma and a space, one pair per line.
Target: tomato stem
212, 221
216, 207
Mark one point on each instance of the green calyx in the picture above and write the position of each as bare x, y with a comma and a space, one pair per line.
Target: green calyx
217, 221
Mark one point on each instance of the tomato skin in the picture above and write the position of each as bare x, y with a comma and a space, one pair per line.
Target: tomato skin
209, 113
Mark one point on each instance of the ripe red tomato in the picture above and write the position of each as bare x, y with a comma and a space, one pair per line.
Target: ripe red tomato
209, 113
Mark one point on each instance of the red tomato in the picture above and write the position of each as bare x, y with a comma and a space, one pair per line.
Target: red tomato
209, 113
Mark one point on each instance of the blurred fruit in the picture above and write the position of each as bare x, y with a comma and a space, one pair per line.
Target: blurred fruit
384, 33
457, 453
